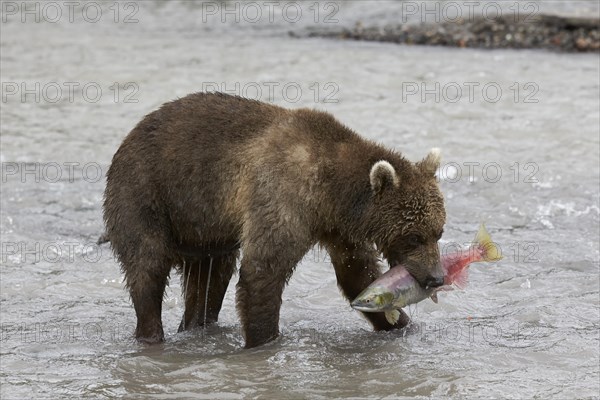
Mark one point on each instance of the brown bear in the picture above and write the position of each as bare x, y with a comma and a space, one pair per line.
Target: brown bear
208, 175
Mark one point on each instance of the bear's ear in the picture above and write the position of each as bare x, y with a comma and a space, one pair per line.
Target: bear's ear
383, 175
431, 163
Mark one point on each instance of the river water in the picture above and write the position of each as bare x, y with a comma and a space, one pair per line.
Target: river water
519, 133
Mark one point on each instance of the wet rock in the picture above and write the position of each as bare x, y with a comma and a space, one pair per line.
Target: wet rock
550, 32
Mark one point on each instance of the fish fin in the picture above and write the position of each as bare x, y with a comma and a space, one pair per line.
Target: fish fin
461, 279
434, 297
491, 251
392, 316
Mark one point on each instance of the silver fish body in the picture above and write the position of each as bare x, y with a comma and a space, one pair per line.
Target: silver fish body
393, 290
410, 293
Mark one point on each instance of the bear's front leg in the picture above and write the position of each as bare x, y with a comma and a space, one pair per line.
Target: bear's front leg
258, 297
356, 266
271, 248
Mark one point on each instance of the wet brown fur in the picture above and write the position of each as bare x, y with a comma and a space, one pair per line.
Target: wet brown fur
209, 173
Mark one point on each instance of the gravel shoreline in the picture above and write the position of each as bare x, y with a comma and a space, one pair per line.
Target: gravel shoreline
551, 32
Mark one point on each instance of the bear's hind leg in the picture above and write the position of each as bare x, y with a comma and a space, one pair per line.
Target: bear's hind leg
146, 281
355, 268
195, 274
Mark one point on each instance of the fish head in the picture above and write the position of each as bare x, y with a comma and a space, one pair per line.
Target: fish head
373, 299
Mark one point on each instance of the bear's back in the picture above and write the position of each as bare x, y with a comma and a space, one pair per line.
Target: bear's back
212, 116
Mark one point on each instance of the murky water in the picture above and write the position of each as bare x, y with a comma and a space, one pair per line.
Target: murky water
519, 135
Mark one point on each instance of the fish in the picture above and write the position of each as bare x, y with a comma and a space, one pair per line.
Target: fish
397, 288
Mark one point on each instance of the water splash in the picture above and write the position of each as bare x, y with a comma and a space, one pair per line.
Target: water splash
206, 293
185, 291
198, 287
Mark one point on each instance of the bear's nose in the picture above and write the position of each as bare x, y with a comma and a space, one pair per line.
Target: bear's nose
434, 281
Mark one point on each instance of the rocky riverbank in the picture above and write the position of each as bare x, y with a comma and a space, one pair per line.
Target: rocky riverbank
551, 32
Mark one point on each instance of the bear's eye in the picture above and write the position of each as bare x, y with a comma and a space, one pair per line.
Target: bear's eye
415, 240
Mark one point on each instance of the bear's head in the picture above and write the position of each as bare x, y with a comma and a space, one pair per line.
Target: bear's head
408, 209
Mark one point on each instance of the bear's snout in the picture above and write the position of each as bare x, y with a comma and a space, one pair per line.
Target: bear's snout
434, 281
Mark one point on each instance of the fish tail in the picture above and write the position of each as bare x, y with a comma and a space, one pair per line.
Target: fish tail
491, 251
461, 280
